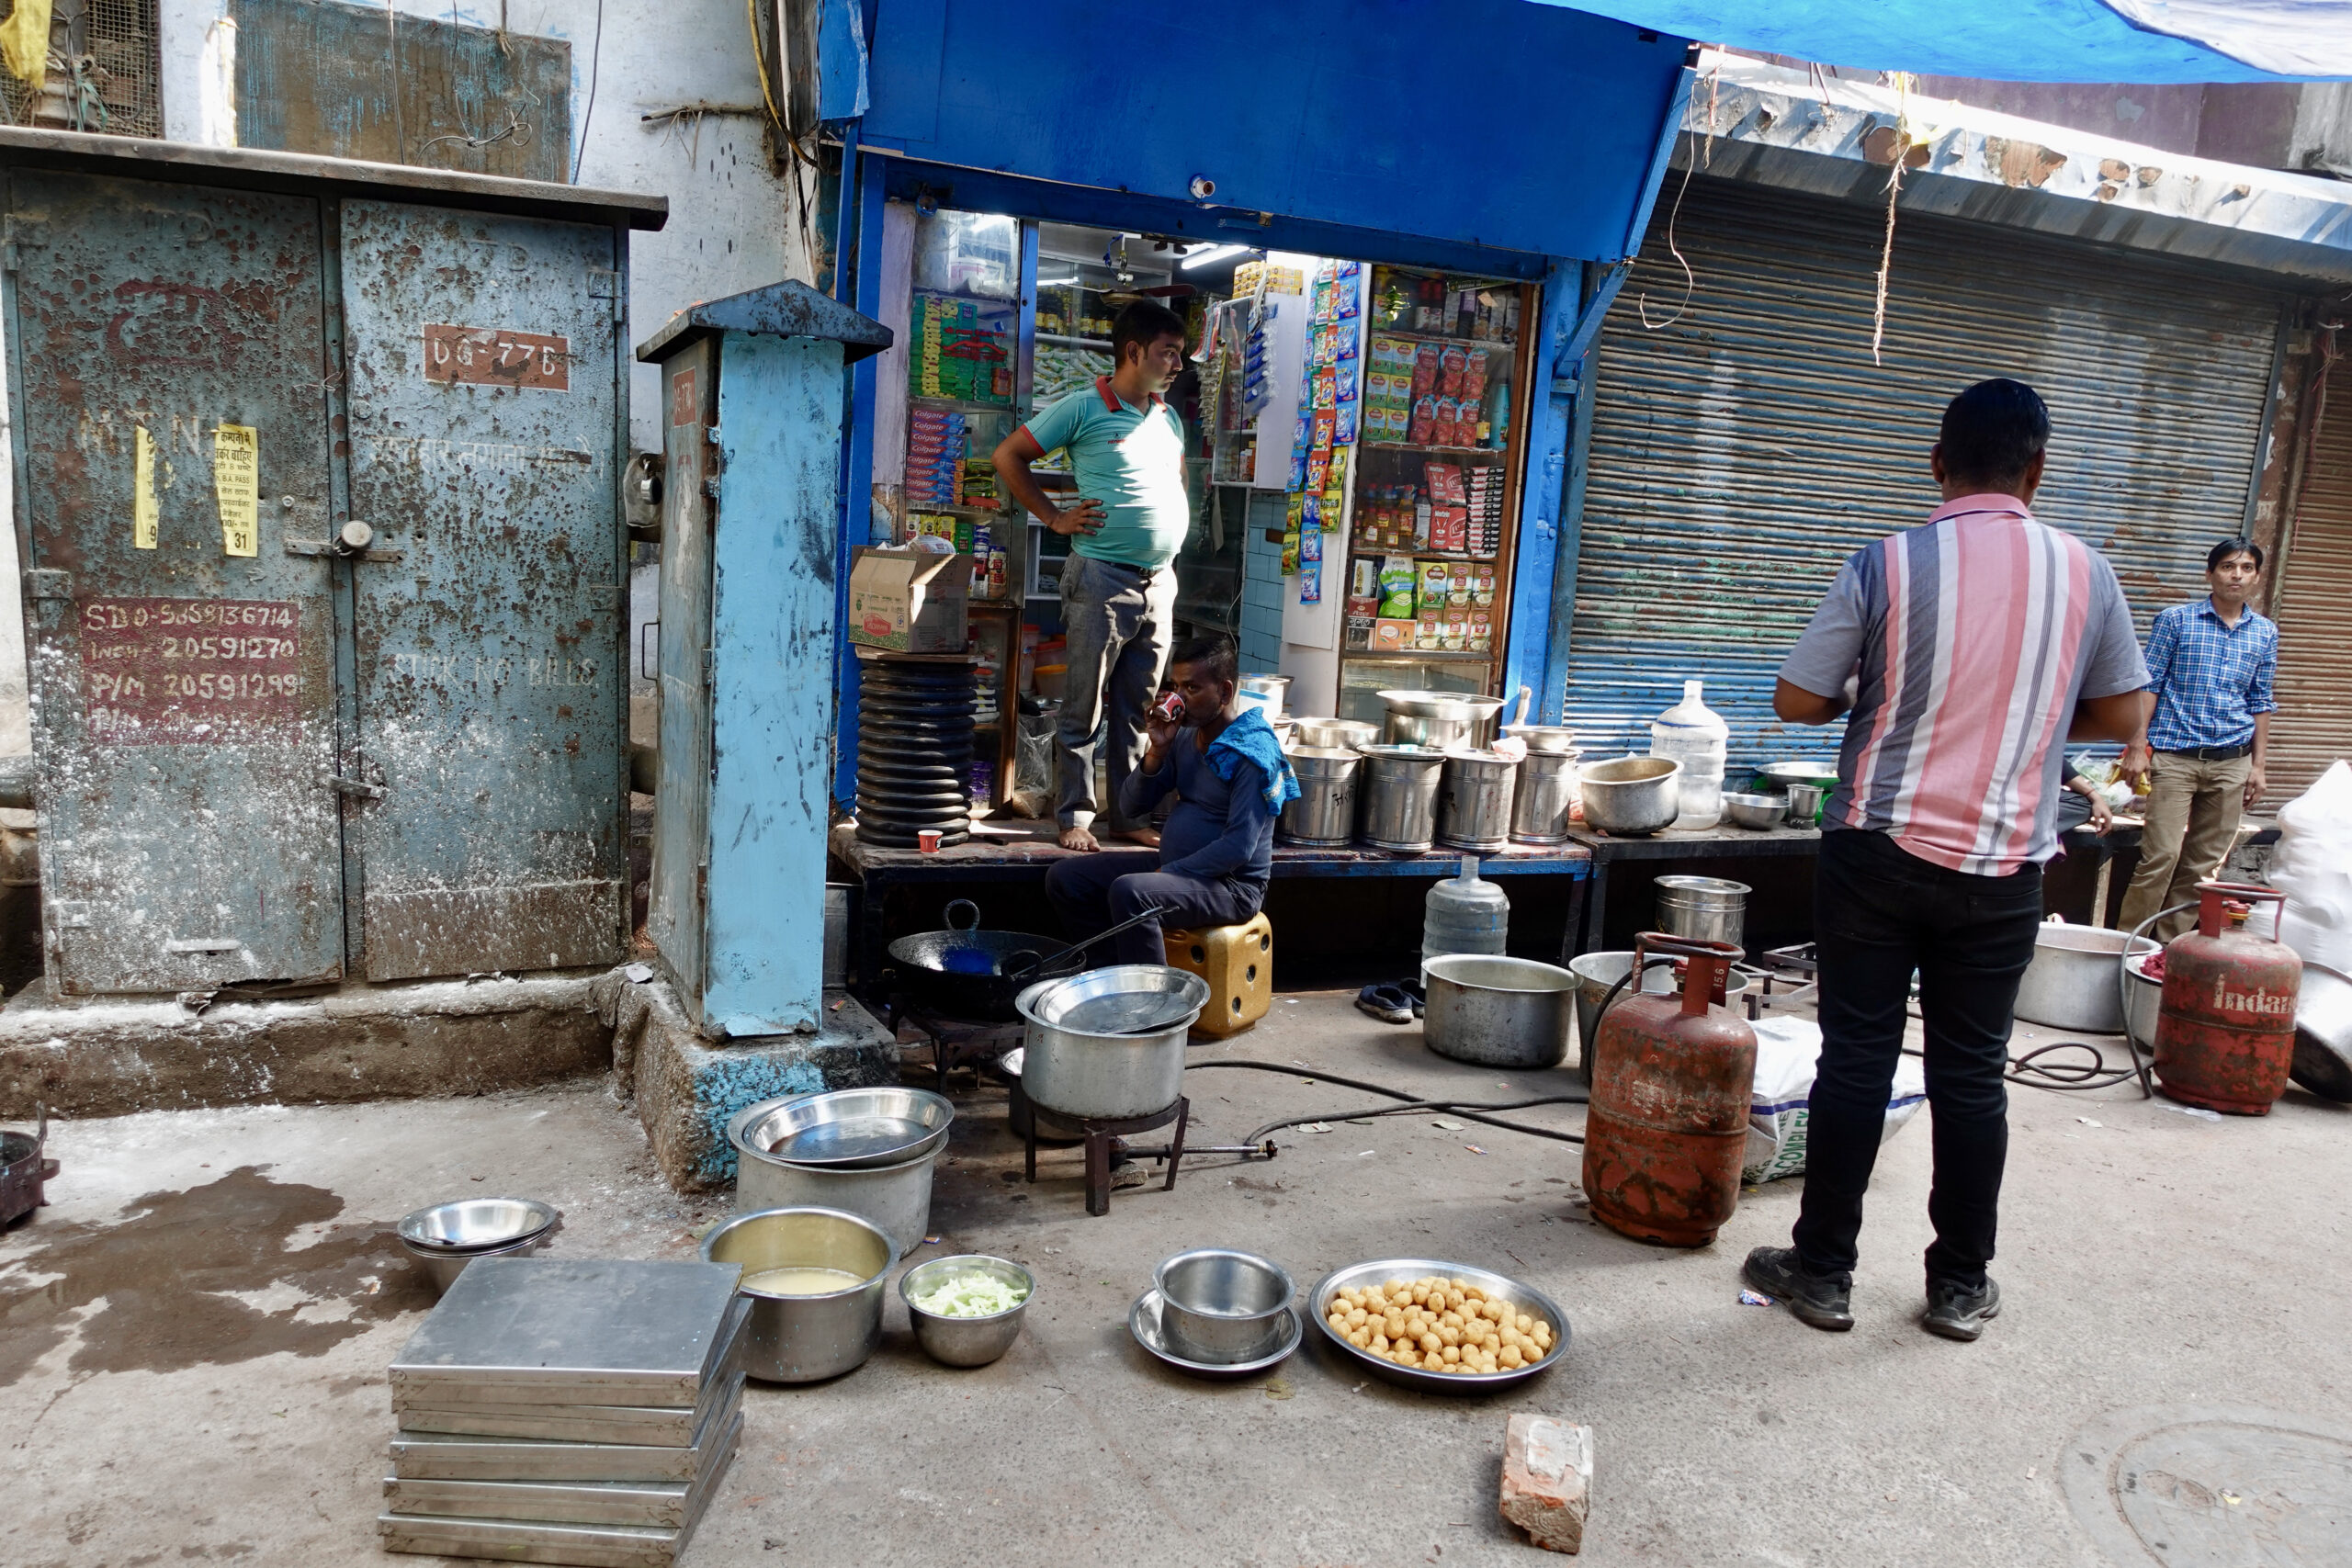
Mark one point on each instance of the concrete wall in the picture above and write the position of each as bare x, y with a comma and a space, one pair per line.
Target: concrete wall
2302, 126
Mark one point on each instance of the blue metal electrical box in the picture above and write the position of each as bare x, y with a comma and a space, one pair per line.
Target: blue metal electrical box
752, 409
318, 489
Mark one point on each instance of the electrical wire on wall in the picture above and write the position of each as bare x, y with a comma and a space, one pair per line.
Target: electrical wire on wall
595, 59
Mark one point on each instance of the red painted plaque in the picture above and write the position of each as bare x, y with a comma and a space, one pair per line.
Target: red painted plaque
497, 357
188, 672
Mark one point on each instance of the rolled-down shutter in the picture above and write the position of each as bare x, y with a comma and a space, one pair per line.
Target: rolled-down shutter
1746, 444
2313, 724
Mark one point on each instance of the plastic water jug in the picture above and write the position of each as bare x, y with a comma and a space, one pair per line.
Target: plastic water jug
1694, 735
1465, 914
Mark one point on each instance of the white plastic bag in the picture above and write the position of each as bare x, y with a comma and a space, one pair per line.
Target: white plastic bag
2313, 866
1788, 1051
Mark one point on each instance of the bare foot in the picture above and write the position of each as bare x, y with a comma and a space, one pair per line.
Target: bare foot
1079, 839
1148, 836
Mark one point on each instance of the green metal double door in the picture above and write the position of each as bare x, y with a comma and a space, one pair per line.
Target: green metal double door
272, 746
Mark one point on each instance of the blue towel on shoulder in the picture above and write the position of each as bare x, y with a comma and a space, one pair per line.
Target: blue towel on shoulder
1250, 738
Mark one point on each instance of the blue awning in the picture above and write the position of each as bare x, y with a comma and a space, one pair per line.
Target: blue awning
2024, 41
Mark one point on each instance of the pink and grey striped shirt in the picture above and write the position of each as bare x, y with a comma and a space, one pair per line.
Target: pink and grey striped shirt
1972, 636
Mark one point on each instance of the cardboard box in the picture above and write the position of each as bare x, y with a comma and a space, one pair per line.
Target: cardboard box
910, 601
1391, 636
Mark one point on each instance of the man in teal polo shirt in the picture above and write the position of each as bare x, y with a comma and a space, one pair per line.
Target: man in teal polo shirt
1127, 446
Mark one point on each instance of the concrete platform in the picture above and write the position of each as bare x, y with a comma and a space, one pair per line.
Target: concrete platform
192, 1368
685, 1087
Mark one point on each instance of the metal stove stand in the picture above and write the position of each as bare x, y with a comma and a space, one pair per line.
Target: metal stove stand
954, 1041
1100, 1133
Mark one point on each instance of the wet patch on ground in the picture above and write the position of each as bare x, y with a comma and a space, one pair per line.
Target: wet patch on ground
165, 1280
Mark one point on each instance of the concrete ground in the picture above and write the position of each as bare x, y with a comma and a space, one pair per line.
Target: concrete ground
195, 1330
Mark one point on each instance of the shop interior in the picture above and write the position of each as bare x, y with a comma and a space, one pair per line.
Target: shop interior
1355, 456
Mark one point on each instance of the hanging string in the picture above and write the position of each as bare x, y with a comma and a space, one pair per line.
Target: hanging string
1907, 137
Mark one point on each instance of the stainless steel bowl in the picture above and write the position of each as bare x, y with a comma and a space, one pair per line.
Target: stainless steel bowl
476, 1224
853, 1128
1218, 1305
1334, 734
1542, 737
1800, 770
1387, 1271
807, 1339
966, 1341
1447, 720
443, 1267
1755, 810
1631, 795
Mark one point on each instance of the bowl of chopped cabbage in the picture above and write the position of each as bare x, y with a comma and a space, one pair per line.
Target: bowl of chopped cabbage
967, 1309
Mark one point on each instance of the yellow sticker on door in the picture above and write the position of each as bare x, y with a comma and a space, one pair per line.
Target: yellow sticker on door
142, 490
236, 481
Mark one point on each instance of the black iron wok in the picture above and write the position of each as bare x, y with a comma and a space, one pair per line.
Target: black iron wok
967, 973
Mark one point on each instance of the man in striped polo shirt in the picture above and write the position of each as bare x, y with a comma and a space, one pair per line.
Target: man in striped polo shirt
1967, 651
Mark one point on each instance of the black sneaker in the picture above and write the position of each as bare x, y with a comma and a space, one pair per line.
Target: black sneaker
1958, 1313
1815, 1299
1387, 1003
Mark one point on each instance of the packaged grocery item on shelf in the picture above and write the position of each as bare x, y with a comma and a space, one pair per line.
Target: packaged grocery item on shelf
1397, 580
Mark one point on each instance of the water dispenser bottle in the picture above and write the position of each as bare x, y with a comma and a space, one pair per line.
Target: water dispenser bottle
1694, 735
1465, 914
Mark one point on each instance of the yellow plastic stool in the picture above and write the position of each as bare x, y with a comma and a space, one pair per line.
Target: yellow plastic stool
1239, 964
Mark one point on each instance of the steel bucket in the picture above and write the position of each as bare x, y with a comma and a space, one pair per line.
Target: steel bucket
1706, 908
1324, 815
1498, 1012
1400, 789
2071, 983
1597, 971
1474, 800
1546, 795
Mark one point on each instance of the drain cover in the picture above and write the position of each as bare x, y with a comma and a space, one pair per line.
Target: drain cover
2206, 1486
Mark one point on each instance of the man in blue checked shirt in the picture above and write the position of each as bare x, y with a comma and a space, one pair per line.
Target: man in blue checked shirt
2203, 736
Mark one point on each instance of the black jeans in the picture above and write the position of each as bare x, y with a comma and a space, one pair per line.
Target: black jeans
1091, 893
1879, 914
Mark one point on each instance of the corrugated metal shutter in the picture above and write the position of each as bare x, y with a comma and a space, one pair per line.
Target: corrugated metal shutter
1740, 453
2314, 726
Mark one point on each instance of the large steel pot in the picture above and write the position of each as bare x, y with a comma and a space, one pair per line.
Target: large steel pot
1631, 795
2071, 983
808, 1339
895, 1198
1324, 815
1079, 1073
1474, 800
1400, 788
1444, 719
1543, 804
1598, 973
2324, 1033
1498, 1012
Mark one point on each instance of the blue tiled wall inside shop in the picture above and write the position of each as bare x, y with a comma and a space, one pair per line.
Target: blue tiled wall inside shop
1262, 587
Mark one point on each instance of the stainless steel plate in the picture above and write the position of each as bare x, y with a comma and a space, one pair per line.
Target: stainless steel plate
1387, 1271
851, 1127
553, 1398
476, 1224
597, 1331
653, 1505
434, 1456
1113, 999
1143, 1322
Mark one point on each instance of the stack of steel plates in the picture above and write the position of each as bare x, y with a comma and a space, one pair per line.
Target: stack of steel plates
561, 1410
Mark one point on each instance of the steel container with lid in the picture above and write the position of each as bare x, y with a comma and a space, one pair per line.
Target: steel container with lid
1706, 908
1474, 800
1324, 815
1545, 800
1399, 786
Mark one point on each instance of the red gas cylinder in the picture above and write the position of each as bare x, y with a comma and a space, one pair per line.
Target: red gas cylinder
2225, 1028
1667, 1126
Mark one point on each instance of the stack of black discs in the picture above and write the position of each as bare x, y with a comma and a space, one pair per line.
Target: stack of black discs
914, 750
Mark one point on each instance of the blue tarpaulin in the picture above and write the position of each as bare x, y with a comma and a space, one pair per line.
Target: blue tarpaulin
2023, 40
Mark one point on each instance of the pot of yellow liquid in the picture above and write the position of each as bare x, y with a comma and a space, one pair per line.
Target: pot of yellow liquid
814, 1280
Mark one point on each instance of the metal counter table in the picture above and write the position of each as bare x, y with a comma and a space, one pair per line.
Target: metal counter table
1025, 852
1588, 901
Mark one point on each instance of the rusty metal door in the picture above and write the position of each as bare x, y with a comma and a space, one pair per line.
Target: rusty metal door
169, 380
481, 355
675, 919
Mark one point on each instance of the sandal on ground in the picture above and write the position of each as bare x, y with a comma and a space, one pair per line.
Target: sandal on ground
1389, 1004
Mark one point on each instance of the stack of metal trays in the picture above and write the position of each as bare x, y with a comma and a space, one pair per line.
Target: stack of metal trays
563, 1410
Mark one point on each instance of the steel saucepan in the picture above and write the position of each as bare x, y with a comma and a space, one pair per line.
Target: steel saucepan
1079, 1072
